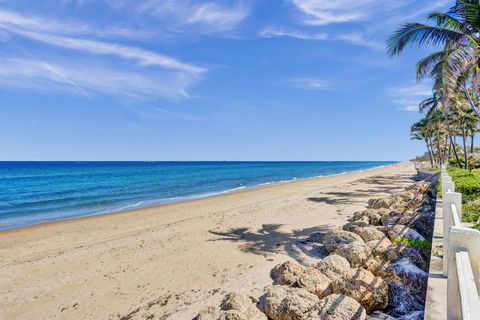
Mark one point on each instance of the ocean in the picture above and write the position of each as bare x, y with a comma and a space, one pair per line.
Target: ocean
37, 192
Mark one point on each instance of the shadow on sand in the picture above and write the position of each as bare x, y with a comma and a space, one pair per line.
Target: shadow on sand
270, 239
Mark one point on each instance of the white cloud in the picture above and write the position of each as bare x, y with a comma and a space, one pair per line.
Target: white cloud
75, 78
356, 38
156, 113
407, 98
271, 32
323, 12
138, 72
203, 17
10, 19
310, 83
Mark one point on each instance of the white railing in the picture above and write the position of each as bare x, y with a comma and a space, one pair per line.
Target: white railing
461, 256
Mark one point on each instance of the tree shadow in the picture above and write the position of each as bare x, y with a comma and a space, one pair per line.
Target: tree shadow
385, 184
270, 239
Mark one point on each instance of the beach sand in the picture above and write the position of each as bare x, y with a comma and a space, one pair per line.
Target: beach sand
169, 261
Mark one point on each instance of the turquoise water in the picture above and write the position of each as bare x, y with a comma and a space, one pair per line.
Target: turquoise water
36, 192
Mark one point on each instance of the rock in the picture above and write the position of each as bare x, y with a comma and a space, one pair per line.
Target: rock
406, 195
396, 231
378, 315
333, 266
372, 216
360, 284
337, 307
408, 286
287, 273
286, 303
316, 237
355, 224
380, 203
397, 251
239, 307
388, 220
356, 252
379, 247
315, 282
335, 238
293, 274
369, 233
234, 306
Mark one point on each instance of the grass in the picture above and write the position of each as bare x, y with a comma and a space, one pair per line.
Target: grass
415, 244
468, 184
471, 212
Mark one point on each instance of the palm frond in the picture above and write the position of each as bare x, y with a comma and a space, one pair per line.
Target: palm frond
423, 35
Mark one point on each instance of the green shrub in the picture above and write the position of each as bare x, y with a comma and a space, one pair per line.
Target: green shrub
477, 226
415, 244
471, 212
466, 182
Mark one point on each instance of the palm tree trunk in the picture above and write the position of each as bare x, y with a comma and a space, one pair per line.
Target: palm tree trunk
439, 150
447, 122
432, 153
465, 155
471, 141
429, 153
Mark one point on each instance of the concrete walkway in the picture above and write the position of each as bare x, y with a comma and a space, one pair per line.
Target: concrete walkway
436, 303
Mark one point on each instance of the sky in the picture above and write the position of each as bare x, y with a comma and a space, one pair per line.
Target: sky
208, 80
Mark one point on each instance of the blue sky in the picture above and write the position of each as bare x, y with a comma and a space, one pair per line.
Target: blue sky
206, 80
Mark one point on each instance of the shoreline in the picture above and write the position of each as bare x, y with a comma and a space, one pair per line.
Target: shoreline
171, 260
194, 198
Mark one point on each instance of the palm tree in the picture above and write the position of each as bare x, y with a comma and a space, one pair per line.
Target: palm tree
438, 102
457, 33
420, 131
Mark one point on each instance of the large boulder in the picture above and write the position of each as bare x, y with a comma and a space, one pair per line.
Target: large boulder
293, 274
360, 284
381, 203
408, 287
335, 238
234, 306
239, 307
371, 216
397, 251
287, 303
315, 282
287, 273
406, 195
337, 307
379, 247
396, 231
368, 233
356, 252
333, 266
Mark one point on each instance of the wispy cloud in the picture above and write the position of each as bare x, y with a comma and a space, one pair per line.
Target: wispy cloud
407, 98
323, 12
10, 19
356, 38
156, 113
195, 16
271, 32
310, 83
139, 72
74, 78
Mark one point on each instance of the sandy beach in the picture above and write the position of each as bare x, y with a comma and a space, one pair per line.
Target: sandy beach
167, 262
